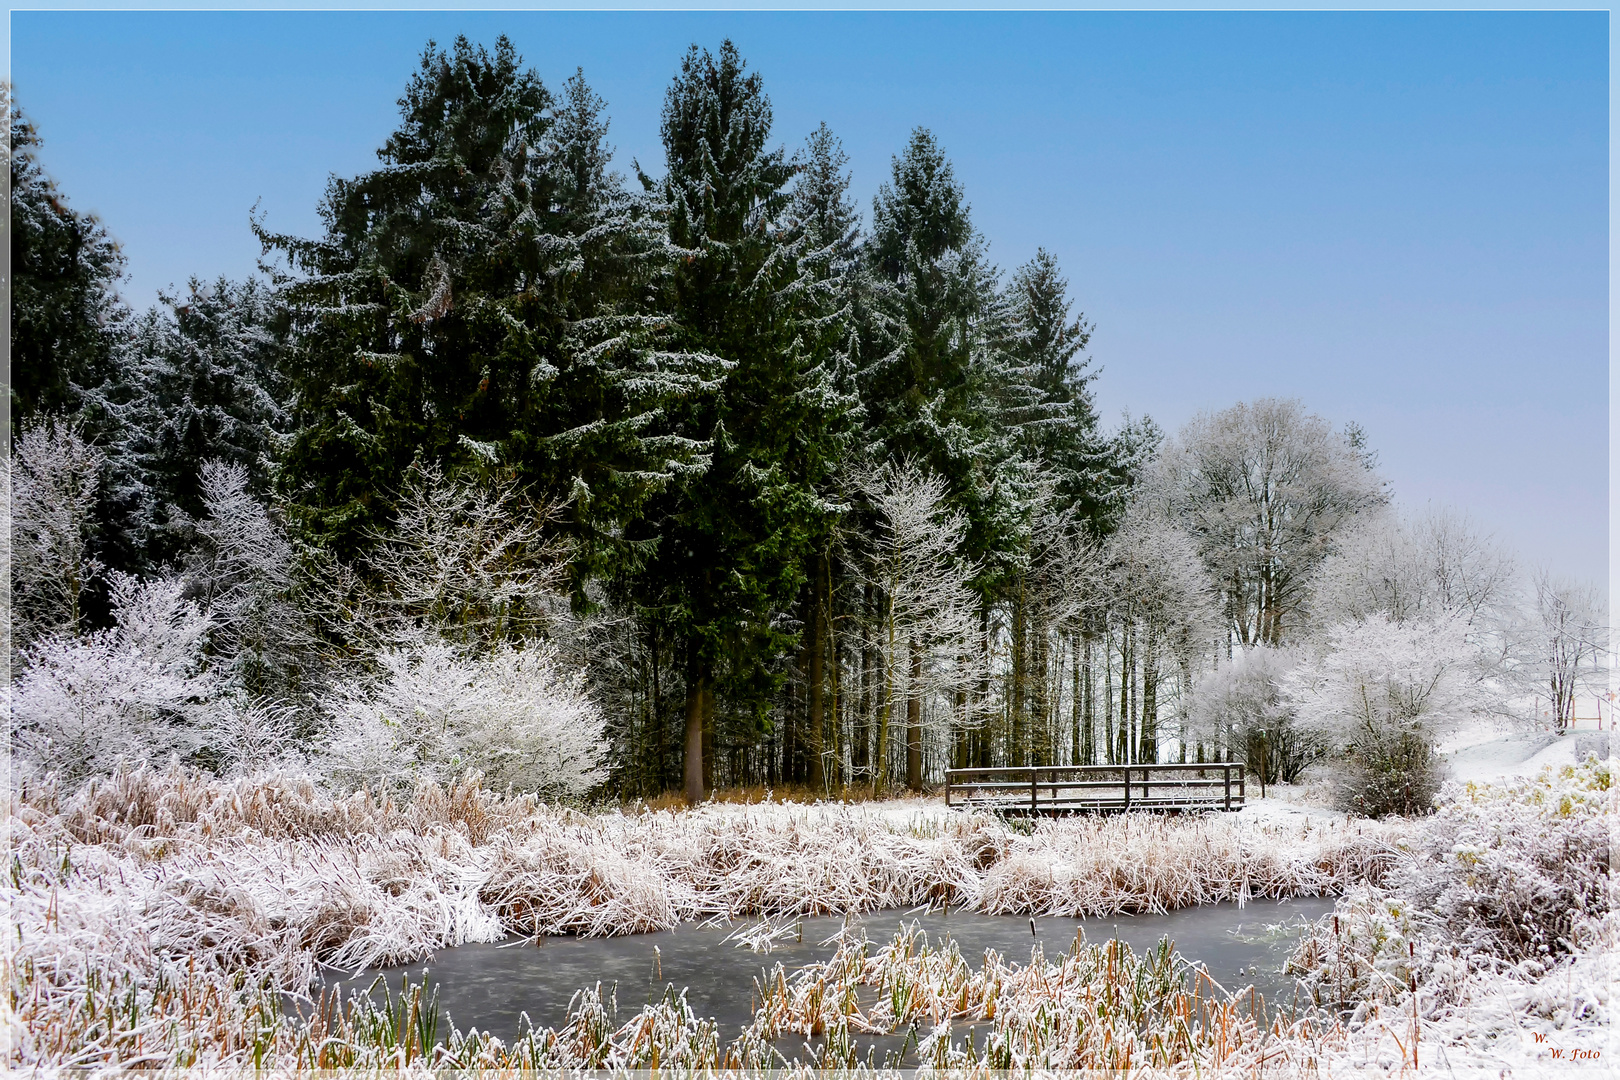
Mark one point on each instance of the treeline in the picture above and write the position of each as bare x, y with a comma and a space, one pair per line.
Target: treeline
802, 497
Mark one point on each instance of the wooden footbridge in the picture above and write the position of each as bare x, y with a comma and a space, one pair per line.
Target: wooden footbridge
1097, 789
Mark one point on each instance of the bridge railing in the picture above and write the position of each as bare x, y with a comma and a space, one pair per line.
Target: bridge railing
1045, 789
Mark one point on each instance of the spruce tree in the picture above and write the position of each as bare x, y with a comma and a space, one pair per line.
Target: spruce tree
482, 301
199, 380
1045, 343
732, 545
65, 268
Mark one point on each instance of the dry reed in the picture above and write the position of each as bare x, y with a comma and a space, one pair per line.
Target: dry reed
157, 912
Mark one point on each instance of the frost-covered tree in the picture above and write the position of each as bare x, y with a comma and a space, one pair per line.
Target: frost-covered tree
135, 692
1264, 488
1383, 693
55, 478
929, 380
243, 571
927, 619
1160, 602
1568, 643
1435, 564
472, 561
734, 541
1241, 704
487, 297
434, 713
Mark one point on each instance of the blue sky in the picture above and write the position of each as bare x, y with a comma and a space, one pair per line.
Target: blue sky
1401, 219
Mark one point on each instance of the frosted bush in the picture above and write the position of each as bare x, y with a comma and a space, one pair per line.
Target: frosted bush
1240, 703
432, 714
1503, 879
135, 692
244, 736
1382, 692
1514, 871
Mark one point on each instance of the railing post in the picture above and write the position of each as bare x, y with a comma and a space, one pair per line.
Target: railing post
1127, 788
1226, 772
948, 788
1033, 791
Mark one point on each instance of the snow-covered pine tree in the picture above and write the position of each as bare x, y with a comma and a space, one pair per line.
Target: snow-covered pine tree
198, 381
65, 268
824, 236
601, 434
733, 545
481, 301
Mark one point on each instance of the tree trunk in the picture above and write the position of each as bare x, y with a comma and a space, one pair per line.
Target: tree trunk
818, 646
983, 736
1016, 699
1040, 711
1108, 699
861, 751
1074, 700
696, 691
1150, 702
914, 777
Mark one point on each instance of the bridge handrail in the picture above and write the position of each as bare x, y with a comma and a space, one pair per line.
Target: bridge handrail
992, 778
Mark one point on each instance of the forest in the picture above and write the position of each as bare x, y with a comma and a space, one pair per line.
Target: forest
607, 487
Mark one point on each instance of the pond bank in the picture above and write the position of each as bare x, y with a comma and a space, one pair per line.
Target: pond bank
493, 985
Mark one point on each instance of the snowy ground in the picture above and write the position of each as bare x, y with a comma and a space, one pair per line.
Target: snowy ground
1485, 754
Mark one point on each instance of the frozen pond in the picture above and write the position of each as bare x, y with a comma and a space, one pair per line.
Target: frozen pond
491, 986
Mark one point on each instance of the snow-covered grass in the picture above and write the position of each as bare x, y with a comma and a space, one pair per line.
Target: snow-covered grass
156, 914
1492, 940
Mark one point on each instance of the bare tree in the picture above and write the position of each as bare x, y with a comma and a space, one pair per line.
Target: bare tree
472, 562
927, 615
55, 478
1161, 600
1570, 641
1429, 565
243, 571
1263, 488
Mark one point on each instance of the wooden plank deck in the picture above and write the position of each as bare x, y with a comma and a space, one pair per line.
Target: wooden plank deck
1098, 789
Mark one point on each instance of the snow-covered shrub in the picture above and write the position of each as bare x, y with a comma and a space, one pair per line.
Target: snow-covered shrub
244, 736
55, 476
434, 714
1382, 693
1503, 878
1514, 870
138, 691
1240, 704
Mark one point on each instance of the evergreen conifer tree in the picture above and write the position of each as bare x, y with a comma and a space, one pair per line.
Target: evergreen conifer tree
732, 546
65, 311
199, 380
482, 300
